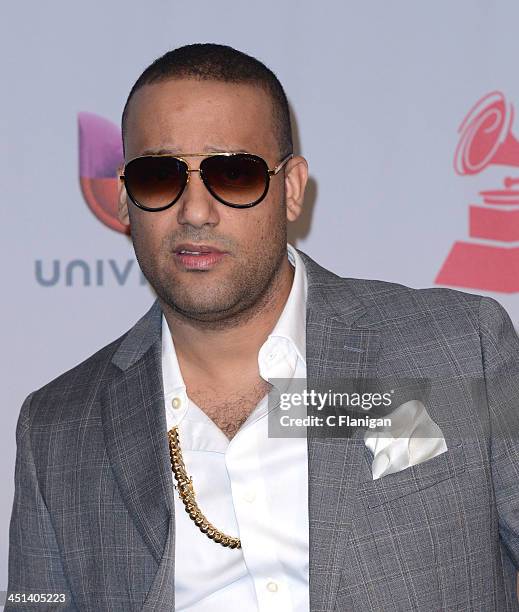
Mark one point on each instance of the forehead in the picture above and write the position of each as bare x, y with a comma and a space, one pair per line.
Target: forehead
188, 115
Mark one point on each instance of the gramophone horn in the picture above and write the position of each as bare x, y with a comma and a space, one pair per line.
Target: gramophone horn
486, 136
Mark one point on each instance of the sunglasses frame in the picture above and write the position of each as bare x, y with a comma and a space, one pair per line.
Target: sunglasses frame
268, 173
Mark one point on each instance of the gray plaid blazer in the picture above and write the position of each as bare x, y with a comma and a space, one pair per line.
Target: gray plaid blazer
93, 513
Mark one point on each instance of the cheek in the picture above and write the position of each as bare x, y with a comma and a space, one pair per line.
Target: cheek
271, 223
275, 213
148, 232
257, 228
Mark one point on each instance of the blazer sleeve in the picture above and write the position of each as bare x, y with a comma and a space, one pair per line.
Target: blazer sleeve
500, 348
34, 558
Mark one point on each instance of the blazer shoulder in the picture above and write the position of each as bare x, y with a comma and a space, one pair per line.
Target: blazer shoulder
388, 302
72, 394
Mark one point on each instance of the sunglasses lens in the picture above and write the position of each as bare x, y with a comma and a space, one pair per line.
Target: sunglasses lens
155, 182
240, 179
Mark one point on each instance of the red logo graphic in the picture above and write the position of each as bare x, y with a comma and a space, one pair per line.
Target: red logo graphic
486, 138
100, 154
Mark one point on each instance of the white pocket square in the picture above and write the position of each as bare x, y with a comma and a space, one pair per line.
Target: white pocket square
412, 438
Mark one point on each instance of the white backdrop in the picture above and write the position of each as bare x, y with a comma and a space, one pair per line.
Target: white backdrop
378, 91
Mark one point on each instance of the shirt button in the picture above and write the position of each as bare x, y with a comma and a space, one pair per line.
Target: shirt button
271, 356
176, 402
272, 586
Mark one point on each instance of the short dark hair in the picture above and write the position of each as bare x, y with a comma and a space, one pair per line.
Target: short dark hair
208, 61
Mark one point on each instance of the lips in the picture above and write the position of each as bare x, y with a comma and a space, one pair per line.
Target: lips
198, 256
189, 248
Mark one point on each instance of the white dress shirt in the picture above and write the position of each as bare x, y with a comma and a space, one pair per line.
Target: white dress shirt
251, 486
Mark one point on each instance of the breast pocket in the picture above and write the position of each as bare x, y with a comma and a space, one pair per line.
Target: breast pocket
413, 479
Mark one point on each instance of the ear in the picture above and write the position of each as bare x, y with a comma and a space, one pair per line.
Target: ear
122, 200
296, 176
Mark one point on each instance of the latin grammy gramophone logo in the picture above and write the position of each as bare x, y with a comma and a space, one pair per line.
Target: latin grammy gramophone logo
100, 154
490, 259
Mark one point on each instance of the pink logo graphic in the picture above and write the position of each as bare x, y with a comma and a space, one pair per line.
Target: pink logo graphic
100, 154
486, 138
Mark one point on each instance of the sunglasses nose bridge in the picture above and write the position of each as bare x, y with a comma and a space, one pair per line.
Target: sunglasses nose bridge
188, 175
203, 184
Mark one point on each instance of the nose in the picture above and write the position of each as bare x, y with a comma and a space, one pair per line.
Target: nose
196, 206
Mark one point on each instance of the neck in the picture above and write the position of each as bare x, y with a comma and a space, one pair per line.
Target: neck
218, 350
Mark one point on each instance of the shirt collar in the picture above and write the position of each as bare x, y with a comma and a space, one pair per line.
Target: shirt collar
171, 374
291, 325
292, 321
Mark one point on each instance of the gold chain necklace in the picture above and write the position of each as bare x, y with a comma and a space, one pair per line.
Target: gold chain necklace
187, 495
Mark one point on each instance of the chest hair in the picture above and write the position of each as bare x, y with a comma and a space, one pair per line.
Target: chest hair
229, 410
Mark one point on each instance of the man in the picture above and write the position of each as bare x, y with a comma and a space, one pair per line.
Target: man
145, 476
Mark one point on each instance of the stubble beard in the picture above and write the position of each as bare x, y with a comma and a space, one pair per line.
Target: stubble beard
249, 289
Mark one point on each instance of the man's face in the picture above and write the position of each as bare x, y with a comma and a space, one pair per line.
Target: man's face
191, 116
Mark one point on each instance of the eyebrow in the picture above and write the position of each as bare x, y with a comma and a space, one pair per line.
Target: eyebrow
207, 149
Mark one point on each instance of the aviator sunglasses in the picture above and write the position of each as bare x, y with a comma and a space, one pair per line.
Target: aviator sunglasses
240, 180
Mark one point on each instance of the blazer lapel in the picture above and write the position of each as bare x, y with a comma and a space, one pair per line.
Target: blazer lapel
336, 349
134, 425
